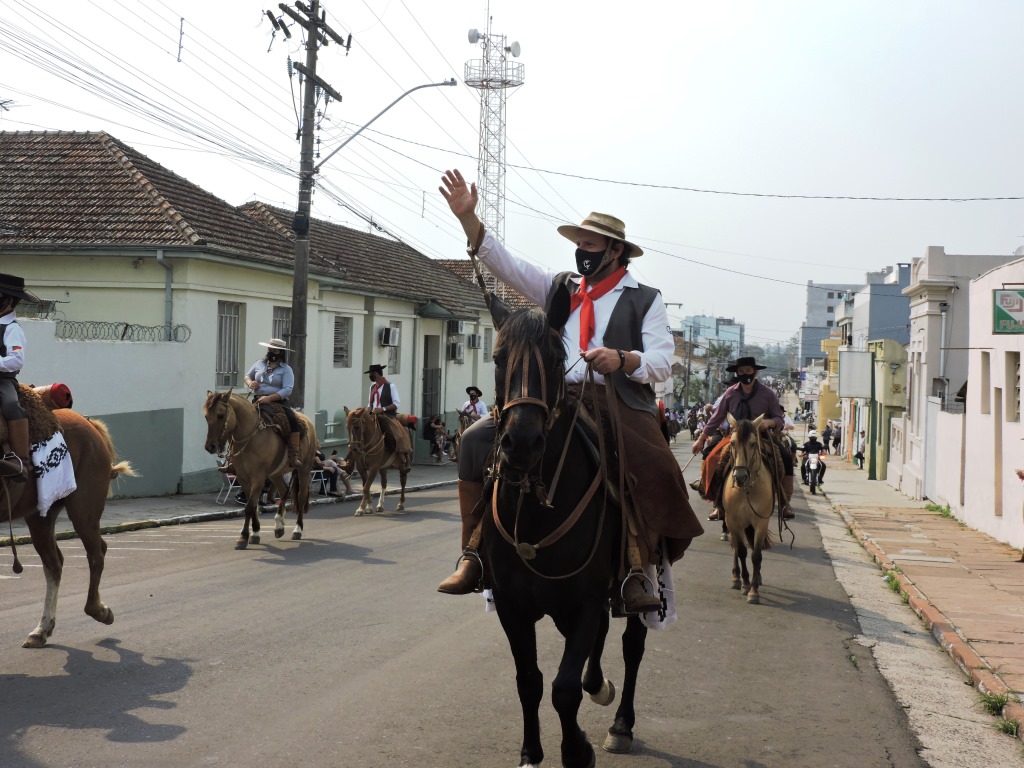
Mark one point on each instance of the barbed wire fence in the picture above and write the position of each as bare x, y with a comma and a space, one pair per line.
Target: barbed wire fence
94, 330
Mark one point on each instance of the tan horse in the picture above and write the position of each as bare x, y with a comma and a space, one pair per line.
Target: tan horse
367, 447
93, 457
748, 499
258, 453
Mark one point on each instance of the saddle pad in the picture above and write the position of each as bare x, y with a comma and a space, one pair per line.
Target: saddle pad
55, 477
42, 422
274, 416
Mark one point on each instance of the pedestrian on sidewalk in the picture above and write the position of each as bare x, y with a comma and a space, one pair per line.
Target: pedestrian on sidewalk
862, 445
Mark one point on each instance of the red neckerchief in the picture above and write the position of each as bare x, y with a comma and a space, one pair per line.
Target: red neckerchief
375, 395
585, 298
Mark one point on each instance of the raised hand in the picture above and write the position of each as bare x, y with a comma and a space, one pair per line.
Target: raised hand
462, 197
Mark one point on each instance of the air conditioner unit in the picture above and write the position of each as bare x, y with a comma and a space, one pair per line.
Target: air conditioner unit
475, 341
389, 337
456, 327
456, 351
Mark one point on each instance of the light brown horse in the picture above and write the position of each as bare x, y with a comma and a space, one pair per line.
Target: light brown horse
367, 446
95, 465
748, 499
259, 452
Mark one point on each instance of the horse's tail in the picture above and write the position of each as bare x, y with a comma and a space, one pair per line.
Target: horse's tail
123, 467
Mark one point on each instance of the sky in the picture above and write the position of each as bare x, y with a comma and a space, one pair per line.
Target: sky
727, 135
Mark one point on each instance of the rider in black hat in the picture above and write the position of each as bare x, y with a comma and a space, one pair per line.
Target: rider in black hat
474, 408
17, 464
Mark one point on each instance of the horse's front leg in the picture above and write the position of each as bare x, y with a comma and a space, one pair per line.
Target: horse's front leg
601, 690
755, 559
739, 558
521, 632
251, 515
383, 488
567, 688
41, 529
634, 642
364, 499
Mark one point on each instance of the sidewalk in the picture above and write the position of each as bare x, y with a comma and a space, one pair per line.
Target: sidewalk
153, 511
967, 587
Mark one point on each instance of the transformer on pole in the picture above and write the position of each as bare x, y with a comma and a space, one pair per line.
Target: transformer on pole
492, 75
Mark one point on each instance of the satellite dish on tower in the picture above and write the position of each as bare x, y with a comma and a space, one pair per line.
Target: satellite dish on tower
515, 49
474, 36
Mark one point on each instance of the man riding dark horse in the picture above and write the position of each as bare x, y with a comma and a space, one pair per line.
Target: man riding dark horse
746, 399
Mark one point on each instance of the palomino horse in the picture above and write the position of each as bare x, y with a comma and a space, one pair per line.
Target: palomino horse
552, 537
748, 499
258, 453
93, 458
367, 446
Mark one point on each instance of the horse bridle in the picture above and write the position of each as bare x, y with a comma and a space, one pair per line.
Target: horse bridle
525, 550
235, 441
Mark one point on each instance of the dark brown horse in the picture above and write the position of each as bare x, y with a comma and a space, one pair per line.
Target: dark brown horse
558, 560
95, 465
259, 453
373, 455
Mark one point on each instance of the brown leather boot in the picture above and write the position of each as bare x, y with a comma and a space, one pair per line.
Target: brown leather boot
19, 466
635, 598
469, 569
293, 450
787, 494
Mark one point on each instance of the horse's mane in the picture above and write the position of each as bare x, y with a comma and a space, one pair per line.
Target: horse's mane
744, 430
530, 326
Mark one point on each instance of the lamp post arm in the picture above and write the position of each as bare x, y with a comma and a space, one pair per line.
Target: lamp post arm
389, 106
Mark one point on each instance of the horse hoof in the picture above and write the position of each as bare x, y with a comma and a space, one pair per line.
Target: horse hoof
736, 584
617, 743
606, 695
296, 535
34, 641
725, 537
254, 539
242, 543
754, 599
278, 533
400, 508
358, 512
107, 617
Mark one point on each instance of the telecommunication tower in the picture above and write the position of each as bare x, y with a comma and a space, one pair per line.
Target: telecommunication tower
493, 75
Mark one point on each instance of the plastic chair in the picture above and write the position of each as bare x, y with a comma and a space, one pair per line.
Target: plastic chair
230, 483
315, 477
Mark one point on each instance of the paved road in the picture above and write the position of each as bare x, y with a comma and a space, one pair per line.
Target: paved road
337, 651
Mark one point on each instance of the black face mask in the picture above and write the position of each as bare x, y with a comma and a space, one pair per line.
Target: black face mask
588, 262
746, 378
372, 377
273, 357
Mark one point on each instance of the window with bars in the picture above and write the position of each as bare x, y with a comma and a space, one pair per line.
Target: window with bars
488, 343
395, 353
342, 342
282, 323
229, 333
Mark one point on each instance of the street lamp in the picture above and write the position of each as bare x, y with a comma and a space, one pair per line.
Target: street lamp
300, 225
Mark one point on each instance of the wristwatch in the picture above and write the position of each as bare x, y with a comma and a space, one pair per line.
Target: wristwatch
622, 359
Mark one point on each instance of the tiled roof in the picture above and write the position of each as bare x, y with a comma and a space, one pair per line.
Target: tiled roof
65, 189
379, 265
464, 269
88, 189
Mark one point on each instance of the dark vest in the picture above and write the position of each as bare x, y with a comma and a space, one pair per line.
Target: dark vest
625, 331
385, 399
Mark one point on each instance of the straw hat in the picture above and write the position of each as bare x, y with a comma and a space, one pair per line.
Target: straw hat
275, 344
602, 224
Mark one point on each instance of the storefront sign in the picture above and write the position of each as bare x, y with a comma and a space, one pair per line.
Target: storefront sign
1007, 311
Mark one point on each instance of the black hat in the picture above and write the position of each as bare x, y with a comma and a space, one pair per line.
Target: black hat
470, 390
376, 368
11, 285
742, 361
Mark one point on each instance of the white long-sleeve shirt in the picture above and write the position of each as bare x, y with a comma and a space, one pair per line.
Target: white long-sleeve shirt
534, 282
14, 340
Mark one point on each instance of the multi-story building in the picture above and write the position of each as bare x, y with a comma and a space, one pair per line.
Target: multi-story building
820, 321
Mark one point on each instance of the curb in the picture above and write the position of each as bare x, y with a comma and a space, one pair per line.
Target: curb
982, 676
201, 517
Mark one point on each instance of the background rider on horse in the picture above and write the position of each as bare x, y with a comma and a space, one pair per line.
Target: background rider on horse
746, 399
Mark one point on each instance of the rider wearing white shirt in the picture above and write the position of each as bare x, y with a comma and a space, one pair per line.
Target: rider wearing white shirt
474, 408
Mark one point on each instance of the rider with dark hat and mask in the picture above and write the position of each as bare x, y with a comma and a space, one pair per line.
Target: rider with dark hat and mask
620, 327
17, 464
746, 399
271, 380
474, 408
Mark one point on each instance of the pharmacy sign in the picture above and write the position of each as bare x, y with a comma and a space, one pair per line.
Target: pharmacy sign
1008, 311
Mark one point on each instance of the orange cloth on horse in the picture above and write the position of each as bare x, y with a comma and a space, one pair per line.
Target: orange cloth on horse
663, 506
711, 463
585, 298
